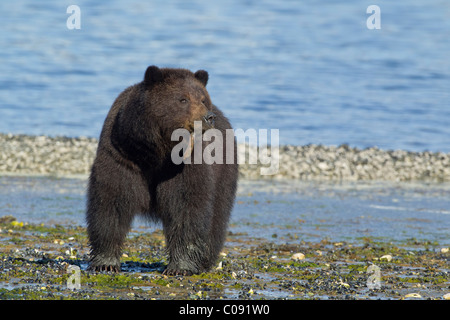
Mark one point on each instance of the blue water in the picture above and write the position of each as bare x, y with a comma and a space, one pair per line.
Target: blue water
311, 69
313, 212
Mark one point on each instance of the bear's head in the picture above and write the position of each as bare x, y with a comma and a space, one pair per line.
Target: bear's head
177, 98
166, 100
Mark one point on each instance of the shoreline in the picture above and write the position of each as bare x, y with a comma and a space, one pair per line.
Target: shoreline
72, 157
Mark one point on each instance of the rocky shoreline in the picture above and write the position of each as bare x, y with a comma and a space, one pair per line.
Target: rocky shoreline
35, 261
63, 156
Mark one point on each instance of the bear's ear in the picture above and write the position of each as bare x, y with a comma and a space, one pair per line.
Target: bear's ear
202, 76
152, 75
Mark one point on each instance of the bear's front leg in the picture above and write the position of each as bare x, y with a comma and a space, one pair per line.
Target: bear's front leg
187, 259
189, 244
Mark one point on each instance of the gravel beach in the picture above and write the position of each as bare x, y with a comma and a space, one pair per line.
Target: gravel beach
63, 156
35, 262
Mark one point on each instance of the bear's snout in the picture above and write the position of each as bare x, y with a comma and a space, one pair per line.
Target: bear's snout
210, 118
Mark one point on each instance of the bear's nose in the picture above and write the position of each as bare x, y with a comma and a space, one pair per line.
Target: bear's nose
210, 117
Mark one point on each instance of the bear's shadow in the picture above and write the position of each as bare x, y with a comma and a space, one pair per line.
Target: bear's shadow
133, 266
126, 266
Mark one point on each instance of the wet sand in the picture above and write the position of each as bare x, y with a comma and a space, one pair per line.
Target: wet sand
341, 229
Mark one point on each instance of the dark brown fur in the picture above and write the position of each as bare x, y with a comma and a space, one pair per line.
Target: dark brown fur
133, 174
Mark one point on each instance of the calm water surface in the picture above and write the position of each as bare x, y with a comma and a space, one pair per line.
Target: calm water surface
309, 68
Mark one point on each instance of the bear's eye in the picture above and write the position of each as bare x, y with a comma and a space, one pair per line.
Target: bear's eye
204, 102
183, 100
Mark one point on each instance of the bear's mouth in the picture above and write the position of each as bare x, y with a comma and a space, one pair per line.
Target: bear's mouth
207, 123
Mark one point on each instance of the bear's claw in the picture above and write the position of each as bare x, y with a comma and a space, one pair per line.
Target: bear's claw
104, 268
175, 272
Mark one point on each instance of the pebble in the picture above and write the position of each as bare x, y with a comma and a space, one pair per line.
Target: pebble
444, 250
62, 156
446, 296
386, 257
298, 256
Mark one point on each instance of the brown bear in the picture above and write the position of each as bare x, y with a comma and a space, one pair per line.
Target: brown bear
133, 173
